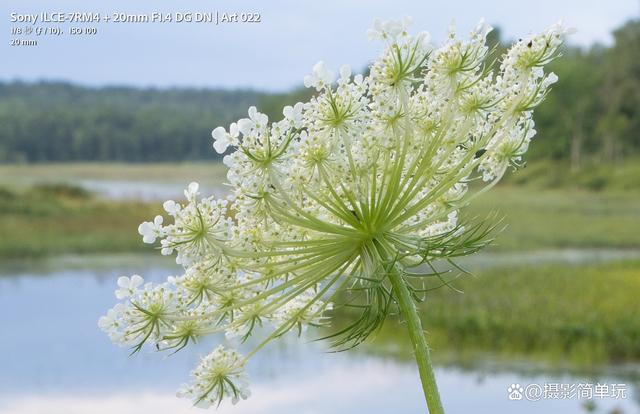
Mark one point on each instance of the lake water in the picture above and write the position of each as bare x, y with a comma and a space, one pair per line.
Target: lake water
144, 190
55, 360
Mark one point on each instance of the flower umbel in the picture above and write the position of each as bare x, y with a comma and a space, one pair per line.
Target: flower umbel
350, 200
219, 374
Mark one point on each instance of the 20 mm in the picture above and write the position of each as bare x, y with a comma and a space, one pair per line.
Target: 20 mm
24, 42
130, 18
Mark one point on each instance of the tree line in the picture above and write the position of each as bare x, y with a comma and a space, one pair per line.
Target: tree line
593, 113
62, 122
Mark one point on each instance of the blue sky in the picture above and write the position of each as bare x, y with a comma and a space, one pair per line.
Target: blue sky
274, 54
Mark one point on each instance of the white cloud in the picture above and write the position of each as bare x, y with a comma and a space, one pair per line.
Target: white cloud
332, 390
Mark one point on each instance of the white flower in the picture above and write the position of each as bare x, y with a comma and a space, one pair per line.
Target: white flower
549, 80
199, 227
377, 31
227, 160
255, 121
191, 192
224, 139
151, 230
320, 77
110, 323
171, 207
128, 286
219, 375
364, 180
390, 29
304, 311
425, 39
396, 28
294, 114
345, 73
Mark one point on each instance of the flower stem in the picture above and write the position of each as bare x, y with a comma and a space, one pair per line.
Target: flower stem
419, 341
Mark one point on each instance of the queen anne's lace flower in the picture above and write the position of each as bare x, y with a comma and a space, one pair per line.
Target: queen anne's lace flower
361, 184
151, 230
128, 286
223, 139
320, 77
219, 374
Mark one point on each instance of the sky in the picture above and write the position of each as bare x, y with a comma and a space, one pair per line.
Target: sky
274, 54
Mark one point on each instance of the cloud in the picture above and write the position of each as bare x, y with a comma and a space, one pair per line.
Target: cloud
347, 386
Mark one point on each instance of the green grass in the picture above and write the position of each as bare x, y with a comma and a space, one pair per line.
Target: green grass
37, 220
592, 175
579, 312
539, 174
579, 315
59, 219
547, 219
584, 314
53, 224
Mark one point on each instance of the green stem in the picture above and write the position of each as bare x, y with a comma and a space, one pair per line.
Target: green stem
420, 346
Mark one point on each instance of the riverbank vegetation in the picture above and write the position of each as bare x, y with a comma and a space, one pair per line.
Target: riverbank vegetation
48, 219
53, 219
566, 316
576, 313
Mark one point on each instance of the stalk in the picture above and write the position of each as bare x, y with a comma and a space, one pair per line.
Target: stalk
419, 341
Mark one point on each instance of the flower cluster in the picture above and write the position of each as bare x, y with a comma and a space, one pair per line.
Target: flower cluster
361, 184
220, 374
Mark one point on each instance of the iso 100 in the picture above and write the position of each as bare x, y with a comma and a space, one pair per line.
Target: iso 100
83, 30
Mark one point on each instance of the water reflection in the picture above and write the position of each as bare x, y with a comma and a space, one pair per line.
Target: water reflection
144, 190
53, 359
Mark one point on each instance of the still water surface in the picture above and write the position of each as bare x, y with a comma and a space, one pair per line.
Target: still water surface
55, 360
144, 190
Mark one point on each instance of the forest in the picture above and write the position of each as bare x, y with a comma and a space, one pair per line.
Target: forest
591, 116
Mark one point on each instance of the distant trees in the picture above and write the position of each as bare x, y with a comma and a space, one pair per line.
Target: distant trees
593, 113
594, 110
63, 122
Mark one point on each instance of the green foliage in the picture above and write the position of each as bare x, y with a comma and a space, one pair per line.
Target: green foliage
593, 176
523, 306
45, 191
582, 312
272, 104
575, 315
550, 219
59, 219
61, 122
592, 115
534, 219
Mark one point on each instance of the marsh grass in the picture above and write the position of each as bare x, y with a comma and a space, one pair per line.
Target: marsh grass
547, 219
41, 220
557, 312
58, 219
591, 176
579, 316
